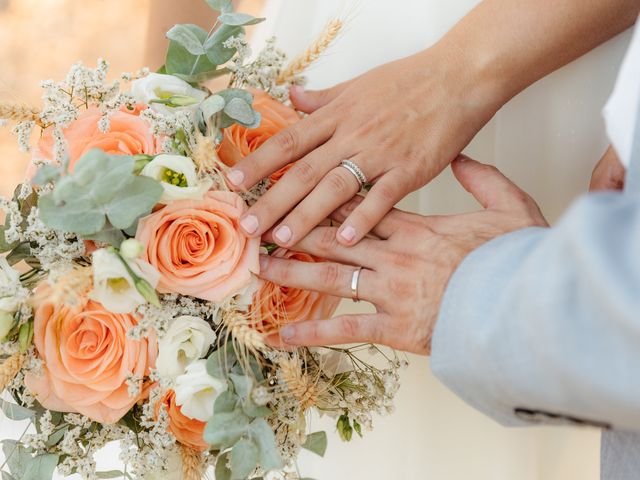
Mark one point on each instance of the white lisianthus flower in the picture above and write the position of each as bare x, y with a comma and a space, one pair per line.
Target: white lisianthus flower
113, 285
9, 278
186, 340
197, 391
158, 86
178, 177
131, 249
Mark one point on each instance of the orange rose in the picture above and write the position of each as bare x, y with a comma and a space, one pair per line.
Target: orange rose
128, 135
198, 248
87, 359
187, 431
274, 306
239, 141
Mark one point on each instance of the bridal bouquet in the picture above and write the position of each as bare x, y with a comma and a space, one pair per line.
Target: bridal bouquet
130, 306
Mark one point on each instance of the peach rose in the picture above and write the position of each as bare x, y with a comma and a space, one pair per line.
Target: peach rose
274, 306
128, 135
87, 359
187, 431
198, 248
239, 141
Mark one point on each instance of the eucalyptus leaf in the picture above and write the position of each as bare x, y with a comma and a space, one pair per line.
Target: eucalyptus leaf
239, 19
212, 105
15, 412
242, 384
46, 174
222, 472
184, 64
21, 252
58, 435
112, 474
225, 403
244, 458
217, 53
137, 199
187, 38
225, 429
240, 110
221, 361
264, 437
73, 217
7, 476
16, 456
316, 443
41, 467
222, 6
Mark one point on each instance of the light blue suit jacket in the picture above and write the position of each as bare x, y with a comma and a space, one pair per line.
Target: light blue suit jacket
543, 325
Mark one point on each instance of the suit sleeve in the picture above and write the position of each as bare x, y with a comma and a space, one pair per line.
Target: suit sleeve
544, 324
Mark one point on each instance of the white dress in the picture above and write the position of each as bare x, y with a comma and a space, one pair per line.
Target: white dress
547, 140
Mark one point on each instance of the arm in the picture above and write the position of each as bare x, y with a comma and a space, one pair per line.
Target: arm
548, 320
410, 118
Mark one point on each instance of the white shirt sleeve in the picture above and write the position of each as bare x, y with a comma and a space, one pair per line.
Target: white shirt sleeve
620, 112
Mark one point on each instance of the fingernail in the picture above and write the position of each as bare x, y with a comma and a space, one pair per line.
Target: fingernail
287, 333
348, 233
250, 224
236, 177
264, 262
283, 234
462, 158
296, 89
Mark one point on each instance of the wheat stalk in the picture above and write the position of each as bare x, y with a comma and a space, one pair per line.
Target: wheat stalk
241, 328
10, 368
72, 286
301, 385
311, 54
192, 465
19, 113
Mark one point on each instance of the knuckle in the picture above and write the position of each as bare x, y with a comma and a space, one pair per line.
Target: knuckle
337, 182
327, 240
387, 193
304, 172
330, 274
287, 141
351, 326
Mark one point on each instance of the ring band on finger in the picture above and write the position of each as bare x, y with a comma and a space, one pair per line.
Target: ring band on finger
355, 280
356, 171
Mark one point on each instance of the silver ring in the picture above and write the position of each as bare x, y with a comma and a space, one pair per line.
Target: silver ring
356, 171
354, 285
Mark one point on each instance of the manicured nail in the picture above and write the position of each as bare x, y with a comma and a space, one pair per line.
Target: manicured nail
236, 177
250, 224
283, 234
264, 262
296, 89
462, 158
348, 233
287, 333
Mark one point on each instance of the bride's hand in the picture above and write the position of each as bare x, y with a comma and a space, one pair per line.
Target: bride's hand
405, 269
401, 123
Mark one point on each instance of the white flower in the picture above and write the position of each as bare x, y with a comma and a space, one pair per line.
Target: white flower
187, 339
113, 285
196, 391
9, 280
131, 248
178, 177
157, 86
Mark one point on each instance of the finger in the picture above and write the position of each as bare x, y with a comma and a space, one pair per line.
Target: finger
309, 101
338, 186
386, 192
324, 277
609, 173
285, 147
296, 183
341, 330
490, 187
322, 242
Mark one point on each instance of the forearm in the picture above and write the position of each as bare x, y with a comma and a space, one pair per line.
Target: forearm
506, 45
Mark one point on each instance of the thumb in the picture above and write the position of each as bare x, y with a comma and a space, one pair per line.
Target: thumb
489, 187
308, 101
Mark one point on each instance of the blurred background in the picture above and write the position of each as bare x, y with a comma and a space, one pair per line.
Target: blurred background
432, 434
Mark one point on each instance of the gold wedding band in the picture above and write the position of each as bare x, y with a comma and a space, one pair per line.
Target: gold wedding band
355, 279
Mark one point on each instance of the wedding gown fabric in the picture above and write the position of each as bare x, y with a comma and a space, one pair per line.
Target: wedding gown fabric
547, 140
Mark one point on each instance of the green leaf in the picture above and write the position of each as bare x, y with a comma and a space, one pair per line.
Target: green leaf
344, 428
73, 217
220, 361
242, 384
239, 110
25, 336
7, 476
181, 63
222, 471
188, 39
212, 105
41, 467
244, 458
316, 443
222, 6
239, 19
162, 70
46, 174
358, 428
15, 412
225, 403
217, 53
112, 474
263, 435
225, 429
21, 252
16, 456
58, 435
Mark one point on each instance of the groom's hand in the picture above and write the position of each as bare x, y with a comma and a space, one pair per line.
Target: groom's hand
406, 267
